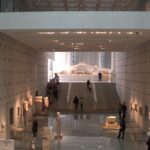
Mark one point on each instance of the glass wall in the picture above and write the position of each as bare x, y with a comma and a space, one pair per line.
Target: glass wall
62, 61
101, 59
105, 60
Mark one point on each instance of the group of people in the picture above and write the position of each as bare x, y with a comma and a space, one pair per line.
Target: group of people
76, 102
52, 87
122, 117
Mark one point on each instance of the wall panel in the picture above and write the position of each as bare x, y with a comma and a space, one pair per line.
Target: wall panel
133, 80
23, 70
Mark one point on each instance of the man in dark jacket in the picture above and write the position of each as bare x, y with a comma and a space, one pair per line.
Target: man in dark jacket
35, 127
76, 102
122, 127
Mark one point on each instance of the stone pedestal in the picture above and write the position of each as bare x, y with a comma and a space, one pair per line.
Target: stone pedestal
38, 107
58, 126
111, 123
46, 144
7, 144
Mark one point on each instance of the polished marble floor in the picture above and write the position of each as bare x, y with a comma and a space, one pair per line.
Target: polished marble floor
84, 131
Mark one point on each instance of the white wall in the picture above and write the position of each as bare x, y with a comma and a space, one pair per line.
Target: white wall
133, 80
22, 72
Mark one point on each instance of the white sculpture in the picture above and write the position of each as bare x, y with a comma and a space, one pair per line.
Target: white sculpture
81, 68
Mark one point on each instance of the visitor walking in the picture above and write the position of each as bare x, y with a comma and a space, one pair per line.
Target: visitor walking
35, 127
120, 110
88, 83
122, 128
76, 102
100, 76
124, 109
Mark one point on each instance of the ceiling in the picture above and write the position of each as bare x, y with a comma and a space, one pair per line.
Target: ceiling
80, 40
79, 5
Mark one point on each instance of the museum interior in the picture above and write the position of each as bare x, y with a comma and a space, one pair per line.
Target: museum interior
74, 74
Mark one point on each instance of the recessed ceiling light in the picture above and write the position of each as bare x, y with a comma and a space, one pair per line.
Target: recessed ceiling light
80, 32
61, 43
130, 33
64, 32
46, 32
51, 32
119, 32
110, 41
99, 146
97, 32
56, 41
103, 32
110, 32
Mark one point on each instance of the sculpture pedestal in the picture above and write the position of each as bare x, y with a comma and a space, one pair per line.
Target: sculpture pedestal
58, 126
46, 144
7, 144
38, 107
111, 123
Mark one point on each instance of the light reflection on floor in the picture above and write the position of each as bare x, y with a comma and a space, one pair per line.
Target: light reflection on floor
84, 131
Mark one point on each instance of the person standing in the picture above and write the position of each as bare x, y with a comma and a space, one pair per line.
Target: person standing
35, 127
122, 128
120, 110
88, 83
100, 76
124, 109
76, 102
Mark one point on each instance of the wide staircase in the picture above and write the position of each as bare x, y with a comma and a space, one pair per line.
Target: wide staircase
61, 102
102, 98
107, 97
81, 90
